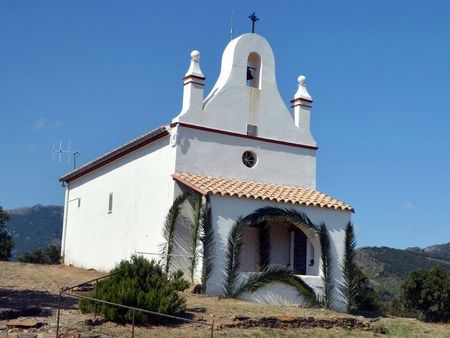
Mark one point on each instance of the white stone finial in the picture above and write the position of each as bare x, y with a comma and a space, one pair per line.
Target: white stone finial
195, 55
194, 68
302, 92
301, 80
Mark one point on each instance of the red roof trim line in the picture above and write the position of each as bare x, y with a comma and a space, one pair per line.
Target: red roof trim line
232, 133
193, 81
194, 76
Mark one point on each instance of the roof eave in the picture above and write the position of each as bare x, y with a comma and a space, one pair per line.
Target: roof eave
115, 154
205, 191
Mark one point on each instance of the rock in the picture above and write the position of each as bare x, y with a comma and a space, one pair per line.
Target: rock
12, 335
46, 335
89, 322
286, 319
89, 335
24, 324
379, 327
28, 335
95, 322
84, 288
70, 334
197, 289
289, 322
241, 317
197, 309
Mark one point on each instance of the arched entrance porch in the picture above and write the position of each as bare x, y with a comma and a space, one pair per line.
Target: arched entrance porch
278, 240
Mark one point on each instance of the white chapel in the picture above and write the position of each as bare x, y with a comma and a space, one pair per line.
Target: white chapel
241, 148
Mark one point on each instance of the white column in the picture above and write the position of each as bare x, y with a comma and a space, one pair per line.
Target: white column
194, 82
302, 104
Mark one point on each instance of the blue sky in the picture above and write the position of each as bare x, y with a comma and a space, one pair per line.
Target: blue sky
99, 73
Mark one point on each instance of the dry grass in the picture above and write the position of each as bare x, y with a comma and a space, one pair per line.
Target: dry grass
25, 284
51, 278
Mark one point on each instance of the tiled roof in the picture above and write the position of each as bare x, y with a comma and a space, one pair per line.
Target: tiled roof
258, 190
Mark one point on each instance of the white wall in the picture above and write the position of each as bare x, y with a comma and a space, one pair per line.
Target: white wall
142, 193
225, 210
208, 153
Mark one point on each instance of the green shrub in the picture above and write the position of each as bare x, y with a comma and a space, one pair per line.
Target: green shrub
395, 307
49, 255
366, 299
138, 283
178, 282
6, 240
53, 254
428, 292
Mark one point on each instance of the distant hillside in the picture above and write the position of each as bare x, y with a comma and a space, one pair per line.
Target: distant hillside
35, 227
437, 251
388, 267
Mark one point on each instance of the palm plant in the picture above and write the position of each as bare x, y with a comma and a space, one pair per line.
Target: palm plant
233, 258
169, 230
327, 278
284, 215
209, 245
264, 245
275, 273
350, 285
195, 233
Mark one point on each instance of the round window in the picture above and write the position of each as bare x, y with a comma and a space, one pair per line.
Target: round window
249, 159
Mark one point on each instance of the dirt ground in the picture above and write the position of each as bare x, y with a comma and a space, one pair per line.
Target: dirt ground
30, 292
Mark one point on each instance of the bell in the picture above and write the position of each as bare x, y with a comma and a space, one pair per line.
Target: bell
249, 74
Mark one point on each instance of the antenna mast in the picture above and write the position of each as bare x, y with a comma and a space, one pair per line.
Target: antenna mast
231, 25
70, 153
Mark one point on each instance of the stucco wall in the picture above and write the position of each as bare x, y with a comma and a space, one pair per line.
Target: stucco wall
142, 194
208, 153
226, 210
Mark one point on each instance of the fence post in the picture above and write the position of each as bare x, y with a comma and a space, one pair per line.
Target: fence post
57, 318
132, 328
96, 297
212, 329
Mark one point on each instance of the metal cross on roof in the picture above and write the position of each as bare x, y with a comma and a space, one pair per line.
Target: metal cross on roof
254, 18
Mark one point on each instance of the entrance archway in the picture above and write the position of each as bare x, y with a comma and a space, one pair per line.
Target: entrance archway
292, 241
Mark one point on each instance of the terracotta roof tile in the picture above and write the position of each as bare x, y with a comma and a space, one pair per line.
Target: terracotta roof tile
259, 190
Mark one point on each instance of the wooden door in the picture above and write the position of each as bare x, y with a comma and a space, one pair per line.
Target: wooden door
299, 252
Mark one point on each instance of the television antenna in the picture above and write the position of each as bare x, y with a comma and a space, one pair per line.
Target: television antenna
68, 152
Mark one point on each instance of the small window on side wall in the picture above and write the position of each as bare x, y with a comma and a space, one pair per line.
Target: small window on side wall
110, 203
254, 70
79, 202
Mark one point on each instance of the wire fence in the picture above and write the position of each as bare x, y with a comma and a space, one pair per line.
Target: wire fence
70, 292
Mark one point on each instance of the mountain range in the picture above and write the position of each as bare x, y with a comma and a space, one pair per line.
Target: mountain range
35, 227
387, 268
